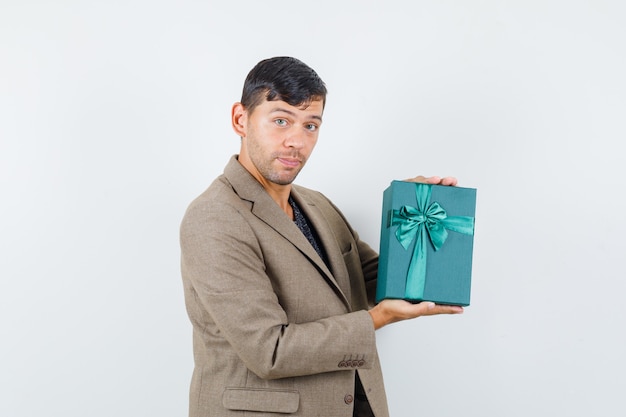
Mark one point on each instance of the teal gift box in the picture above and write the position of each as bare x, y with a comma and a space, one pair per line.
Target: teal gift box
426, 243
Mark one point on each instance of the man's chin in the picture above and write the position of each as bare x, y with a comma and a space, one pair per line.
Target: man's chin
284, 177
284, 181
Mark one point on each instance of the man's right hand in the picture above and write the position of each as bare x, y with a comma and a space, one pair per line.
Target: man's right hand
391, 311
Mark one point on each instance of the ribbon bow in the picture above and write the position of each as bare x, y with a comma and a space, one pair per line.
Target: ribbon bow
425, 222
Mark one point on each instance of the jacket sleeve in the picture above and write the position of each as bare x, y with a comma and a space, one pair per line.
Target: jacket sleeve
231, 299
367, 255
369, 262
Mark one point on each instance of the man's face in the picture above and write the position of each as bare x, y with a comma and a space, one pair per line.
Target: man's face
277, 139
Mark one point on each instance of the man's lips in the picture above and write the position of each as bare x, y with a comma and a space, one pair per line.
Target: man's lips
290, 162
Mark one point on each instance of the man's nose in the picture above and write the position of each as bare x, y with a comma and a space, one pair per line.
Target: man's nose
295, 139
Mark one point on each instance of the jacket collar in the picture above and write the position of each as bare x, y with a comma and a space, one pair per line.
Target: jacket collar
266, 209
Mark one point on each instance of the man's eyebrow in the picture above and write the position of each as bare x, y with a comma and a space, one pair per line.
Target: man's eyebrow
291, 113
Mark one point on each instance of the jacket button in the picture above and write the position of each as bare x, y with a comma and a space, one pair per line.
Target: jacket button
348, 399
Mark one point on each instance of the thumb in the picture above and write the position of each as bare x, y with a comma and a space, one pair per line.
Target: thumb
425, 307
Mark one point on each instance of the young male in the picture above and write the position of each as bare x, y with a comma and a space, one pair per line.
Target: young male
278, 286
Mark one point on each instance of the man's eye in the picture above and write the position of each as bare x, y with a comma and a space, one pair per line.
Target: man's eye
281, 122
311, 127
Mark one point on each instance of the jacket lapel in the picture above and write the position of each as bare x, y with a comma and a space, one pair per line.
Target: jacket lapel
336, 263
266, 209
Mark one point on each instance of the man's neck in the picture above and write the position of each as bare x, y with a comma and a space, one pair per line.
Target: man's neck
280, 194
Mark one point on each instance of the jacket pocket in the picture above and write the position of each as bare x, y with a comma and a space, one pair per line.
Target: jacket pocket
262, 400
351, 258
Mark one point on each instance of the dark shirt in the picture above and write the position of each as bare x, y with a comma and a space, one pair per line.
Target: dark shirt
309, 233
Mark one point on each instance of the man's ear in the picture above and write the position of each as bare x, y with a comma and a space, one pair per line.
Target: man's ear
239, 119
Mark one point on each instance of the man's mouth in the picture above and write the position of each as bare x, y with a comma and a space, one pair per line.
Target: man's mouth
290, 162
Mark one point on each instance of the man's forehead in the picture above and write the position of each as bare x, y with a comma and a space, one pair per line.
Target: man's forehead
315, 107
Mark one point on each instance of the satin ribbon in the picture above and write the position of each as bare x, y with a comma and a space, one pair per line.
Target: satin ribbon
425, 222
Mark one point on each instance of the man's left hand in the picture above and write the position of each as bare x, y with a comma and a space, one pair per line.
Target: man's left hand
434, 180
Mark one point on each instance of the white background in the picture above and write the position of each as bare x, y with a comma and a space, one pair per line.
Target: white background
114, 115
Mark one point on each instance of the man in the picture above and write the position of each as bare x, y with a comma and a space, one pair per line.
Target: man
278, 286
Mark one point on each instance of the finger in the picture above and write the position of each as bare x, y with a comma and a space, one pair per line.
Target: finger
428, 308
410, 310
446, 309
419, 178
433, 180
449, 181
